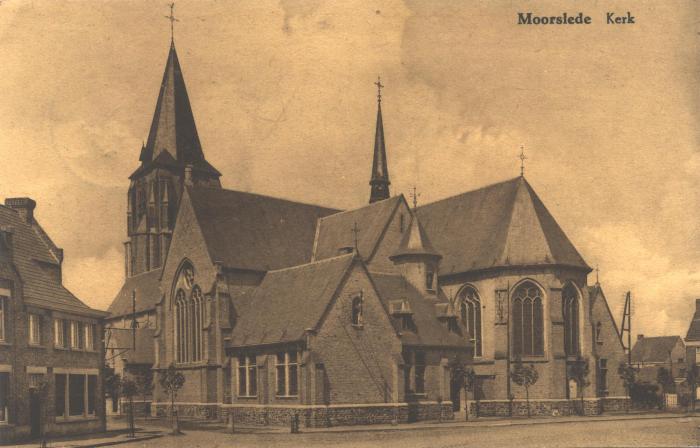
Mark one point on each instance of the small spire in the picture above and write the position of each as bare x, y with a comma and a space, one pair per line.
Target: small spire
380, 171
522, 161
172, 19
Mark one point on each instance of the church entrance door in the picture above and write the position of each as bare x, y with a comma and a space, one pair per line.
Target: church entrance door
456, 386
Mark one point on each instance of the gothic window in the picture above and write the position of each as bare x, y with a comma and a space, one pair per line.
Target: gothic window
569, 297
357, 311
602, 377
189, 318
430, 279
527, 324
470, 311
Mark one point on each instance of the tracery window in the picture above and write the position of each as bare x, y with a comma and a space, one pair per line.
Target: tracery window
470, 312
528, 329
189, 318
569, 297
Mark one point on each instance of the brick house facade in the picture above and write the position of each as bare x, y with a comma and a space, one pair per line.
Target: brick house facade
51, 353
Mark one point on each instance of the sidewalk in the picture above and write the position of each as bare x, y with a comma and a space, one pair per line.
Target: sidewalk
107, 438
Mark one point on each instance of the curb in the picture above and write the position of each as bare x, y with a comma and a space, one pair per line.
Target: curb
119, 442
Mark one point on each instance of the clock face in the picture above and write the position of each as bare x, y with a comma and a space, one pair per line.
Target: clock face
188, 274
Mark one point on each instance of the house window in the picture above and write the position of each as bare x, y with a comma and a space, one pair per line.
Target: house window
569, 297
429, 279
419, 372
34, 329
76, 335
528, 330
76, 394
59, 333
602, 377
470, 311
357, 311
287, 374
3, 312
247, 376
89, 336
4, 395
406, 322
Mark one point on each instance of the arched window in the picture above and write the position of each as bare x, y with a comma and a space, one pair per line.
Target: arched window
528, 329
357, 310
470, 311
569, 299
188, 317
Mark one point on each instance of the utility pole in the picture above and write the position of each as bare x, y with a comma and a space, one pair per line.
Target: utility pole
134, 324
627, 326
508, 386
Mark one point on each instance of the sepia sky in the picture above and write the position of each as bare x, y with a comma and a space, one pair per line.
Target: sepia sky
283, 97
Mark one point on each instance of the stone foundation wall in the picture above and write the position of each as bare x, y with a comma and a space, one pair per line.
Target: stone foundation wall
553, 408
311, 416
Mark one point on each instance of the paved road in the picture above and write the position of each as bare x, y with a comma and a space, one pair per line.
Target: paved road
665, 432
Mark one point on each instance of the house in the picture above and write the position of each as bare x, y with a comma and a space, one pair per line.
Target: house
51, 352
649, 354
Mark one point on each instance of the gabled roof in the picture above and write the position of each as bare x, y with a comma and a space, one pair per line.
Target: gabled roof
289, 301
415, 241
34, 261
148, 293
173, 130
335, 231
254, 232
694, 329
429, 330
504, 224
654, 349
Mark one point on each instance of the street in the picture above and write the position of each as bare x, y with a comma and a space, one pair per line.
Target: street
681, 431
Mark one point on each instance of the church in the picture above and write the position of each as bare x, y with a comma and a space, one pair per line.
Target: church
273, 308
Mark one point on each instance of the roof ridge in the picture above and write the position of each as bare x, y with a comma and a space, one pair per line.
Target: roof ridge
317, 262
382, 202
471, 191
250, 193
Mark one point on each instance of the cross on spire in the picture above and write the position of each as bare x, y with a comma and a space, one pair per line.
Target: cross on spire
597, 274
414, 197
172, 19
522, 160
355, 231
379, 89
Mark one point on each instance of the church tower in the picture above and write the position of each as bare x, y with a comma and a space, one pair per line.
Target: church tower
171, 158
380, 171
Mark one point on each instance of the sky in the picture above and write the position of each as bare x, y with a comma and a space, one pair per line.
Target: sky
285, 105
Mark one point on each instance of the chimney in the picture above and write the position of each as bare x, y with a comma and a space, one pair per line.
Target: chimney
188, 175
24, 206
640, 337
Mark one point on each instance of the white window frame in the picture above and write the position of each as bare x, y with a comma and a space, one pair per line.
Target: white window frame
34, 324
89, 336
249, 365
3, 313
286, 366
58, 333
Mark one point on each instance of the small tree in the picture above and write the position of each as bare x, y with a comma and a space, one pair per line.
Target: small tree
144, 380
128, 390
692, 377
578, 371
665, 380
171, 380
628, 375
524, 376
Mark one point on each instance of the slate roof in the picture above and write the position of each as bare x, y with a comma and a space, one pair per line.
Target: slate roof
250, 231
148, 293
415, 241
288, 301
654, 349
694, 328
504, 224
121, 338
334, 231
429, 330
33, 260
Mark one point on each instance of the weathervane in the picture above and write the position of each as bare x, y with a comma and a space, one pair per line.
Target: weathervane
172, 19
379, 89
522, 160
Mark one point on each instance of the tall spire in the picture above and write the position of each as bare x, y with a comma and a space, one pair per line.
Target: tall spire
380, 171
173, 129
